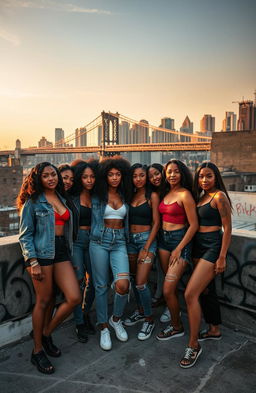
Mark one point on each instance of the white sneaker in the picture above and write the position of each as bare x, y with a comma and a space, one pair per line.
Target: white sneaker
120, 331
146, 330
166, 316
105, 339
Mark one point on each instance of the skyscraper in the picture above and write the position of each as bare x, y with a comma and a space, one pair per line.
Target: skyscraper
247, 116
167, 122
59, 137
81, 137
44, 143
207, 124
124, 133
187, 126
163, 136
139, 132
229, 123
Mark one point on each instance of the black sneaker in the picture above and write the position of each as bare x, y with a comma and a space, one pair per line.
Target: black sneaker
81, 333
134, 318
90, 329
146, 330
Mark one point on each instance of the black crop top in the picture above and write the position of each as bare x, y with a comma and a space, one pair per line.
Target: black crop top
208, 215
85, 216
140, 215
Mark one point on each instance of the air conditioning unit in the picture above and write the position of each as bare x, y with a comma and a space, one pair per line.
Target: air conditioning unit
250, 188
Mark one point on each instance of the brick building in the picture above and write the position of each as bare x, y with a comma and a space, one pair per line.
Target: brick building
10, 182
235, 155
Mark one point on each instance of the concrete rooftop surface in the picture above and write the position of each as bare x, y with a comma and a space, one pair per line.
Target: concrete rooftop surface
150, 366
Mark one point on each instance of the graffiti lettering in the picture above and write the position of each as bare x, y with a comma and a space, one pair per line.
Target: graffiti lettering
243, 208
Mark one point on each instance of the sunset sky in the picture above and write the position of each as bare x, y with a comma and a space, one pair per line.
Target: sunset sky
64, 61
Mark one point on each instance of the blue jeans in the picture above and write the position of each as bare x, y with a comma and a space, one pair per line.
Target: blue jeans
143, 295
109, 253
82, 264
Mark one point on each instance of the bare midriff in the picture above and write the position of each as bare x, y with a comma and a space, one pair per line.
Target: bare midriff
85, 227
113, 223
168, 226
59, 230
139, 228
205, 229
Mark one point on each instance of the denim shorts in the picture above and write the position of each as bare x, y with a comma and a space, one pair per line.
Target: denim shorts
169, 240
207, 245
62, 253
138, 240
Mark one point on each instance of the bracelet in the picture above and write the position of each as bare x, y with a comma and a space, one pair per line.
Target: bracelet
145, 249
34, 263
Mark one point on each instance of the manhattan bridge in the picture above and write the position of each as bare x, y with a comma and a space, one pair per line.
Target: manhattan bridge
112, 134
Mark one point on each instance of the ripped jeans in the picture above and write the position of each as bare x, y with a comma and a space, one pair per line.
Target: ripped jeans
109, 253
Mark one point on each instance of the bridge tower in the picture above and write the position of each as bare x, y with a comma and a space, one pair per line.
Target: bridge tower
110, 132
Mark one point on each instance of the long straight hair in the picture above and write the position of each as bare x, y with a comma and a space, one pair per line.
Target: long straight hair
186, 177
218, 180
132, 191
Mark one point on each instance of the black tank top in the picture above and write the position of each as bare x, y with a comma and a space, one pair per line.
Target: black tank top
208, 215
140, 215
85, 216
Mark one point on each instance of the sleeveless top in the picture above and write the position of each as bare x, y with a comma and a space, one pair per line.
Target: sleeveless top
140, 215
208, 215
116, 214
85, 216
173, 213
60, 219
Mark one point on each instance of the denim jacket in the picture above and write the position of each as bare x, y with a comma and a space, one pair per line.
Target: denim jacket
37, 229
97, 226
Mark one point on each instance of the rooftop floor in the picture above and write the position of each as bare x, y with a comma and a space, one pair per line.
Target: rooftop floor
151, 366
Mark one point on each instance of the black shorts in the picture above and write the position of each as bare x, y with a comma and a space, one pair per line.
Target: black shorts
61, 253
207, 245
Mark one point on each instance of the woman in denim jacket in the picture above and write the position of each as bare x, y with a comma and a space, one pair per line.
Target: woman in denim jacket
84, 182
109, 233
46, 242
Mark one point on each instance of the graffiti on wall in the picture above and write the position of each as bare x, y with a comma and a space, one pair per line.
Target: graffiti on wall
237, 285
16, 293
244, 206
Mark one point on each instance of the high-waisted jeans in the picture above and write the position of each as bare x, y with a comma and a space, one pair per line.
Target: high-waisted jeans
82, 264
109, 253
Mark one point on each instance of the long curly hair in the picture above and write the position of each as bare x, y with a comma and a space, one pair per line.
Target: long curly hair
116, 162
32, 185
131, 188
219, 184
78, 172
186, 177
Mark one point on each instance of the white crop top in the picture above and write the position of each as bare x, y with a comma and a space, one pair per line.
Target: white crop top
116, 214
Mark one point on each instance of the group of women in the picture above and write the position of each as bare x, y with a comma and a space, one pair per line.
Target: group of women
91, 226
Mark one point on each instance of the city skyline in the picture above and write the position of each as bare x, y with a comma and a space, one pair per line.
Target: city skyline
63, 63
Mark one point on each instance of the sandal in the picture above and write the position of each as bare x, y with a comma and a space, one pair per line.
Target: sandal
49, 347
170, 332
190, 357
42, 363
205, 335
